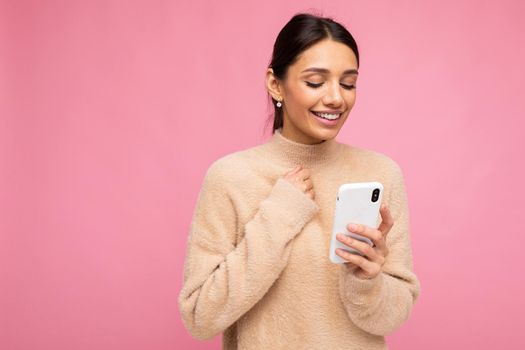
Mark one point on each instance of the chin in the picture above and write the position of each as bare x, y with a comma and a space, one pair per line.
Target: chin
328, 131
325, 134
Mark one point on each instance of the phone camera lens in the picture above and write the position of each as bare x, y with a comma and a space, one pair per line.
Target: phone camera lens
375, 195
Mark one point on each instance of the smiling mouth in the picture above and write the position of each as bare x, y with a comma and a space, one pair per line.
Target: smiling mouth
328, 116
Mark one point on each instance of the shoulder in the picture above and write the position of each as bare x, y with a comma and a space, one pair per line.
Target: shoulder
232, 167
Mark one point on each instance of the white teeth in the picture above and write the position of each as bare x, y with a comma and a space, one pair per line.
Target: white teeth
327, 115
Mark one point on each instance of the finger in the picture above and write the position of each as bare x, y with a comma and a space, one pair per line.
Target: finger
363, 247
296, 169
368, 266
302, 186
366, 231
387, 221
373, 234
309, 184
303, 173
298, 178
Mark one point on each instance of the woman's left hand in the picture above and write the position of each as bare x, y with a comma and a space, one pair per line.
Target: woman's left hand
369, 265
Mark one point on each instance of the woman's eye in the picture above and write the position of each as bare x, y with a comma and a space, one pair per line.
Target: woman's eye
348, 87
313, 84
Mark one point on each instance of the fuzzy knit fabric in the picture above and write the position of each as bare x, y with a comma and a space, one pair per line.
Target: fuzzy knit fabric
257, 267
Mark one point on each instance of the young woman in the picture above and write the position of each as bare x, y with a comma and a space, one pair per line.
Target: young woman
257, 267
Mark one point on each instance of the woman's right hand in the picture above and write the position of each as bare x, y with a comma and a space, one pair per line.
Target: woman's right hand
300, 178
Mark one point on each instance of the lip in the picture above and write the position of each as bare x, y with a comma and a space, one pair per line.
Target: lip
327, 122
329, 112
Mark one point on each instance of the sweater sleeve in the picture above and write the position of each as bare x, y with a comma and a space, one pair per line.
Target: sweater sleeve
224, 279
382, 304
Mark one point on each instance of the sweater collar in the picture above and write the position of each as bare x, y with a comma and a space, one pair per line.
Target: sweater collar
293, 153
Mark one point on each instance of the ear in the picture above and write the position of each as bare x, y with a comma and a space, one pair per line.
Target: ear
274, 85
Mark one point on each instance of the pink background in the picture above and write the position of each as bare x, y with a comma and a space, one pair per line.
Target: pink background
112, 111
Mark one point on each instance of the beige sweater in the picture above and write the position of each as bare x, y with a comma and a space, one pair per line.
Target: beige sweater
257, 265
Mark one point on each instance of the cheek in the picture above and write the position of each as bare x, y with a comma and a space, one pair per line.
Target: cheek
304, 97
350, 97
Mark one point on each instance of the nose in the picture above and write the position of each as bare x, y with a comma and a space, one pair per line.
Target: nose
333, 95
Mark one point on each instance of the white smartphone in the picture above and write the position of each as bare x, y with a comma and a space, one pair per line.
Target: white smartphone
358, 203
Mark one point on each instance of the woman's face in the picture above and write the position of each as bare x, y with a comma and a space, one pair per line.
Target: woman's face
323, 79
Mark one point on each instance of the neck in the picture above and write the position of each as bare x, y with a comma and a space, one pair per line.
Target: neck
309, 155
297, 136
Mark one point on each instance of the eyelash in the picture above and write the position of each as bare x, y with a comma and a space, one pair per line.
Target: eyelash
315, 86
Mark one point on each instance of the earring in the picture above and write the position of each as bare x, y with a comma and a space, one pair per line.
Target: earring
279, 104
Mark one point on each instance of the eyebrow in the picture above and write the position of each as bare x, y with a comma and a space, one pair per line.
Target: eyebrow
324, 70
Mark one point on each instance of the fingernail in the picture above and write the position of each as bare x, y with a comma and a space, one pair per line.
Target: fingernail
352, 227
